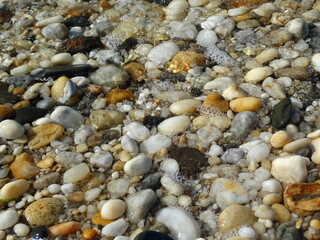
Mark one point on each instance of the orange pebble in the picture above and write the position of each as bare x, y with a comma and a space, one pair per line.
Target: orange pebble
64, 229
97, 219
216, 100
89, 233
117, 95
104, 4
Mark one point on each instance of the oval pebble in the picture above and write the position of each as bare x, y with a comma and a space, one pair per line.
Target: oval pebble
115, 228
10, 129
8, 218
138, 165
21, 229
258, 74
76, 173
174, 125
113, 209
14, 189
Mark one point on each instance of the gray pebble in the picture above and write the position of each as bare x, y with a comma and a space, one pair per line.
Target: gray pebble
232, 155
110, 76
67, 117
55, 31
45, 180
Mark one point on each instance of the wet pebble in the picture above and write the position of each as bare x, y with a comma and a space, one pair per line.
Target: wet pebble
76, 173
138, 165
152, 235
113, 209
67, 117
115, 228
11, 129
14, 189
45, 180
8, 218
155, 143
109, 76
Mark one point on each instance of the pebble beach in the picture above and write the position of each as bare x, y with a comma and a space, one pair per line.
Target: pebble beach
160, 120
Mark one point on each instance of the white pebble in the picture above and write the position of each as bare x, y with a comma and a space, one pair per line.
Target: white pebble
80, 81
207, 38
61, 59
101, 159
184, 200
247, 232
172, 186
10, 129
21, 229
92, 194
170, 166
54, 188
76, 173
174, 125
115, 228
8, 218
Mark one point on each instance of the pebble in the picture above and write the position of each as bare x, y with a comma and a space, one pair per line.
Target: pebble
139, 205
61, 59
64, 229
137, 131
229, 218
216, 100
272, 186
42, 135
271, 198
174, 125
138, 165
39, 232
300, 73
302, 198
172, 186
76, 173
21, 229
29, 114
155, 143
289, 169
258, 153
258, 74
47, 21
89, 233
14, 189
6, 112
105, 119
245, 104
315, 61
267, 55
45, 180
10, 129
8, 218
101, 159
264, 212
118, 187
64, 91
109, 76
281, 113
280, 139
45, 211
23, 167
152, 235
113, 209
231, 155
296, 145
129, 145
298, 27
118, 95
274, 88
184, 106
228, 192
115, 228
288, 231
282, 213
162, 53
55, 31
67, 117
184, 61
180, 224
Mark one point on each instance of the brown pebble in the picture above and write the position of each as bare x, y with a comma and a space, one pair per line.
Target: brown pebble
97, 219
82, 44
184, 60
40, 136
136, 71
239, 3
64, 229
118, 166
95, 89
18, 91
78, 11
118, 95
216, 100
6, 112
23, 167
45, 163
45, 211
21, 104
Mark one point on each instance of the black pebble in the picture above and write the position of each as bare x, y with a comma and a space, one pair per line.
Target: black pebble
281, 113
152, 181
152, 235
39, 232
76, 22
29, 114
153, 121
128, 44
161, 2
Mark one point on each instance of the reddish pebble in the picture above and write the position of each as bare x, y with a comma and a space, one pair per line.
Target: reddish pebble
64, 229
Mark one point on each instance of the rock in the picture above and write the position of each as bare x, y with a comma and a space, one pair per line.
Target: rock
298, 27
67, 117
274, 88
22, 80
296, 145
113, 209
10, 129
129, 145
272, 186
39, 232
109, 76
229, 218
271, 198
216, 100
55, 31
172, 186
300, 73
29, 114
258, 153
302, 198
280, 138
21, 229
281, 113
118, 187
184, 106
282, 213
137, 131
104, 136
245, 104
68, 71
138, 165
279, 37
115, 228
136, 71
14, 189
152, 235
183, 61
155, 143
105, 119
264, 212
42, 135
8, 218
258, 74
316, 154
64, 229
315, 61
232, 155
49, 20
287, 231
101, 159
45, 211
118, 95
139, 205
289, 169
228, 192
46, 103
64, 91
174, 125
151, 181
162, 53
76, 22
190, 160
45, 180
220, 83
81, 44
181, 225
6, 97
23, 167
76, 173
61, 59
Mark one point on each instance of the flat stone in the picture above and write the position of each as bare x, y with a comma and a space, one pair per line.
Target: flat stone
109, 76
139, 205
29, 114
67, 117
100, 137
229, 218
23, 167
300, 73
302, 198
42, 135
45, 211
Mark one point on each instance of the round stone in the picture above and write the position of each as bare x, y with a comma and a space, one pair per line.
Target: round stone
113, 209
10, 129
76, 173
39, 232
55, 31
138, 165
44, 211
21, 229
